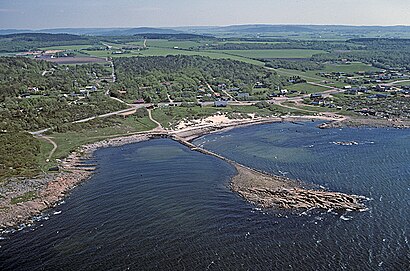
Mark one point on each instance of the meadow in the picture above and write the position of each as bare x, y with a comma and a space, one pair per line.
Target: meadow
274, 53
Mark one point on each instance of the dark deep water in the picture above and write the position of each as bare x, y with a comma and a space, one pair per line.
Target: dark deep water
159, 206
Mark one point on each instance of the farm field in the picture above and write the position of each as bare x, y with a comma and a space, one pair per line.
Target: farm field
67, 47
173, 44
275, 53
156, 51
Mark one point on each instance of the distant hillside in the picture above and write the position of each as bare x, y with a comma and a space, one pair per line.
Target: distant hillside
179, 36
32, 41
96, 31
217, 30
41, 37
266, 28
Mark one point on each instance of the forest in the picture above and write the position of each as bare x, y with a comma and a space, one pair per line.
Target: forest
34, 41
51, 90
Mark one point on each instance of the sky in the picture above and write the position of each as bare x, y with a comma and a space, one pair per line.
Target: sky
37, 14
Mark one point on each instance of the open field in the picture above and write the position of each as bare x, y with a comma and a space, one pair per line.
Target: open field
153, 51
349, 68
275, 53
69, 141
76, 60
67, 47
306, 88
311, 76
165, 47
172, 44
244, 41
308, 75
156, 51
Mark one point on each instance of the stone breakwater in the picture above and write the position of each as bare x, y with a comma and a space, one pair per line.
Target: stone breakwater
271, 191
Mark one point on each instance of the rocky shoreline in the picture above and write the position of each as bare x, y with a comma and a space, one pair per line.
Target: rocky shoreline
49, 189
270, 191
366, 122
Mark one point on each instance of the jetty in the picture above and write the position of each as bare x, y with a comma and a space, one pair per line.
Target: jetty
270, 191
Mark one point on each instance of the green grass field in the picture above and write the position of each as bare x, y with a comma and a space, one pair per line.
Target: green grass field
67, 47
306, 88
171, 44
156, 51
309, 75
349, 68
69, 141
276, 53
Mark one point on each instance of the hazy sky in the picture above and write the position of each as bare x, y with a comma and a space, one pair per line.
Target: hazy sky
134, 13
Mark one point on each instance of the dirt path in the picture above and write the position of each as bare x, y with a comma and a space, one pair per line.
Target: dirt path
50, 140
159, 126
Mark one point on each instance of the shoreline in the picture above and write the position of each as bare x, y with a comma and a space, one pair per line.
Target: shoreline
51, 188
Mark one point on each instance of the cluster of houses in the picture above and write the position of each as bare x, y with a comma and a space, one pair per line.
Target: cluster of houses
365, 78
361, 77
319, 99
82, 93
385, 90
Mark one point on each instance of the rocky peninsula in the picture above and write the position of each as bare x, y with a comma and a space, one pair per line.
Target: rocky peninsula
257, 187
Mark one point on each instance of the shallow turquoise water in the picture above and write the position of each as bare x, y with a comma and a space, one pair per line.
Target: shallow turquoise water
159, 206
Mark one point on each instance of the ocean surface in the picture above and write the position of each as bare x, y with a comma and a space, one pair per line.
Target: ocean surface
156, 205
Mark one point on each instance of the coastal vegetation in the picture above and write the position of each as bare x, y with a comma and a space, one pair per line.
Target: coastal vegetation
182, 76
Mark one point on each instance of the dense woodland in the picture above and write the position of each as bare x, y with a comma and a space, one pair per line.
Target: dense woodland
34, 41
51, 104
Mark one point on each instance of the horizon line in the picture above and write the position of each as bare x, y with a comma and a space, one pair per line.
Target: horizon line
221, 26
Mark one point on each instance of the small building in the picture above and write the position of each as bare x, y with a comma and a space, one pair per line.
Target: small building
139, 101
259, 85
243, 95
220, 103
33, 89
222, 86
316, 96
25, 95
352, 91
91, 88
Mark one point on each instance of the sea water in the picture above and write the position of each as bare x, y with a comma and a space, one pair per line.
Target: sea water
157, 205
